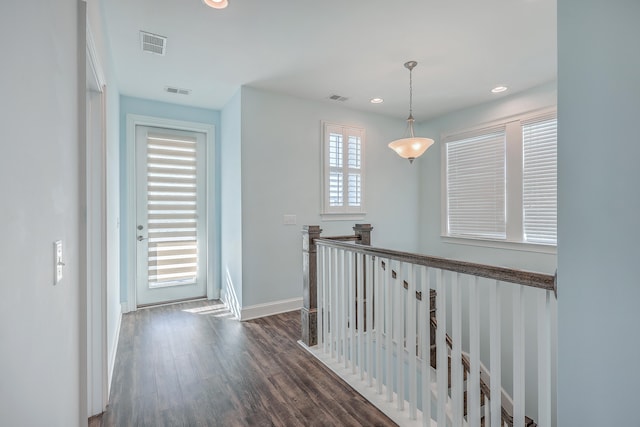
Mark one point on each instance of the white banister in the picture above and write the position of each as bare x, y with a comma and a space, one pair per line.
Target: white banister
518, 357
441, 348
425, 326
411, 342
544, 359
495, 349
456, 351
375, 323
473, 385
369, 316
379, 288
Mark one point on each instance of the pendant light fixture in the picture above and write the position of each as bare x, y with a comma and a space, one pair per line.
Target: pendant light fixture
216, 4
412, 146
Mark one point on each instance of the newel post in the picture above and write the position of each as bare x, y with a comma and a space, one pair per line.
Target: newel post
364, 232
309, 311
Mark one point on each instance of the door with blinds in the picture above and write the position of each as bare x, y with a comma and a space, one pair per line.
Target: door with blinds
170, 214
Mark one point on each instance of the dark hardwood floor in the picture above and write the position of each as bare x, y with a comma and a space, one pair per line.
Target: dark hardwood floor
192, 364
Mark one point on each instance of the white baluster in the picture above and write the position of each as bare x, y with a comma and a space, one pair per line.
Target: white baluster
369, 316
544, 359
411, 342
425, 333
399, 320
320, 297
334, 302
390, 284
379, 320
518, 357
344, 307
441, 348
351, 300
339, 303
473, 382
456, 352
425, 349
360, 285
495, 354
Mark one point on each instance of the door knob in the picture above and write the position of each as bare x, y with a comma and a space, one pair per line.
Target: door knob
140, 227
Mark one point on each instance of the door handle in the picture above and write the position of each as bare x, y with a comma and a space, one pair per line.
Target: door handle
140, 238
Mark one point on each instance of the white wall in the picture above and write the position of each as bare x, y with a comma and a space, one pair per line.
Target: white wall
231, 205
281, 148
40, 327
430, 181
599, 289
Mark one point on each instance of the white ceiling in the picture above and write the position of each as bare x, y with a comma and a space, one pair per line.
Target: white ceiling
354, 48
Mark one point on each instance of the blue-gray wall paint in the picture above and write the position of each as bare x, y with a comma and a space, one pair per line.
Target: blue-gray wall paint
145, 107
598, 213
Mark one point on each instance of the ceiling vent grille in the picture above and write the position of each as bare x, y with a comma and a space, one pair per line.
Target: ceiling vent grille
177, 90
338, 98
153, 43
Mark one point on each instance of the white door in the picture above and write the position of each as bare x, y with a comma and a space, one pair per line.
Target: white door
170, 215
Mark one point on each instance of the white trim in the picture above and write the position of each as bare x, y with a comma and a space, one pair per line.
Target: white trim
270, 308
342, 216
500, 244
114, 346
134, 120
96, 228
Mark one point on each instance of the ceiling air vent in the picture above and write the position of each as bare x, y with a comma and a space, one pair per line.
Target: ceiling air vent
153, 43
177, 90
338, 98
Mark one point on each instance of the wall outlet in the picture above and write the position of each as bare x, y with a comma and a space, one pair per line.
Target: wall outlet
289, 220
57, 262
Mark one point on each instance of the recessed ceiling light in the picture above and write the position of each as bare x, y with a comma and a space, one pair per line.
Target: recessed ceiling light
376, 100
499, 89
216, 4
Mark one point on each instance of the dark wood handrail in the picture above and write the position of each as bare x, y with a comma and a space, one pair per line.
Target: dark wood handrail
520, 277
350, 237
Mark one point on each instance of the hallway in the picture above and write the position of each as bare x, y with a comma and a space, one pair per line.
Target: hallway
193, 364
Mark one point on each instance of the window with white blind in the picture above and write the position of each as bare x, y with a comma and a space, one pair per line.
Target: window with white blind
539, 180
500, 182
343, 170
476, 186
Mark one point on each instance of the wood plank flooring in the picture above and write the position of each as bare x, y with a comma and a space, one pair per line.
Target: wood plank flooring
192, 364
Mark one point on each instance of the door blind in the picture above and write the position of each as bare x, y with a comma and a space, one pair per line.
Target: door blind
539, 179
172, 215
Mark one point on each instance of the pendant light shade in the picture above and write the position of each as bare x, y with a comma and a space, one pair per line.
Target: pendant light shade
216, 4
412, 146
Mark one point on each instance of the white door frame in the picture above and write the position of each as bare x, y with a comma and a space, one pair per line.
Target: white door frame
133, 120
96, 234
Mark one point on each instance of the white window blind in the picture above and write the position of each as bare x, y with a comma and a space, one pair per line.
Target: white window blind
172, 210
475, 181
343, 182
539, 180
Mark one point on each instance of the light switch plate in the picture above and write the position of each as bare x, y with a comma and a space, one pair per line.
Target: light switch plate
57, 261
289, 220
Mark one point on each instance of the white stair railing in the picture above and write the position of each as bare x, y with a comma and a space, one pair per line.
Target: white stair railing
382, 315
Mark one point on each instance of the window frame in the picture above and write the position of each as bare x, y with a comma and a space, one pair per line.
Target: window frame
514, 219
343, 212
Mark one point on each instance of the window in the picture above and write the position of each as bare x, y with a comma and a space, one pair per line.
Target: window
500, 182
343, 166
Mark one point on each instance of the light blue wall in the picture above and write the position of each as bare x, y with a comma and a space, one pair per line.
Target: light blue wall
281, 148
430, 181
231, 205
144, 107
599, 213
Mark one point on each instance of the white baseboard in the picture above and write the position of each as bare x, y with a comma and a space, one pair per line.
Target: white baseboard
270, 308
112, 359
